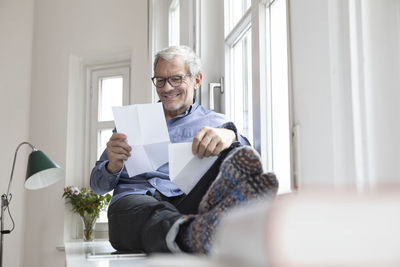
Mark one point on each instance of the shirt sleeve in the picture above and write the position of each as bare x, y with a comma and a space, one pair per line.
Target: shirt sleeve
101, 181
239, 138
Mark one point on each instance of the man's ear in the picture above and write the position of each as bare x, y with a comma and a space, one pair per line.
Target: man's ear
198, 79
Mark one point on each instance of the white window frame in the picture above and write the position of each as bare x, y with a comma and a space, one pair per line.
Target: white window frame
261, 87
174, 23
94, 74
232, 37
267, 140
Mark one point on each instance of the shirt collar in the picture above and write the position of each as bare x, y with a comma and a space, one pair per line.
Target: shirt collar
189, 110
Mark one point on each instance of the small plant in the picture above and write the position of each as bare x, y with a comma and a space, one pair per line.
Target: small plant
88, 205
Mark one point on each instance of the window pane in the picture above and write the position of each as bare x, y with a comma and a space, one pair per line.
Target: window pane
103, 216
280, 95
110, 95
103, 213
103, 137
174, 25
242, 85
237, 8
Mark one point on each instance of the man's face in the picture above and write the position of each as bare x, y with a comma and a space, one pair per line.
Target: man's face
176, 99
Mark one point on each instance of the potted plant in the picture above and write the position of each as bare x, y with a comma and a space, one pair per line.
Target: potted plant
88, 205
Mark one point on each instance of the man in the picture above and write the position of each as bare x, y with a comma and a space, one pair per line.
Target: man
148, 212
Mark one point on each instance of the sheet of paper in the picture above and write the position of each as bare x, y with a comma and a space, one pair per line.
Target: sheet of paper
186, 169
147, 134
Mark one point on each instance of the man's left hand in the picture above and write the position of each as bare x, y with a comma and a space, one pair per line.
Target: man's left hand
211, 141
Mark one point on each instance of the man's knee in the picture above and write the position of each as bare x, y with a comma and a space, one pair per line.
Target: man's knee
140, 223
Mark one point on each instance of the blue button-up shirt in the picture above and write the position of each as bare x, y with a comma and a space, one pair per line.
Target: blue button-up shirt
181, 129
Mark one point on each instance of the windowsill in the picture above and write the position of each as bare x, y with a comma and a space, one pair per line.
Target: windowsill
76, 252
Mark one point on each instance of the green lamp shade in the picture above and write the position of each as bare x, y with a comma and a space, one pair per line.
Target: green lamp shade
41, 171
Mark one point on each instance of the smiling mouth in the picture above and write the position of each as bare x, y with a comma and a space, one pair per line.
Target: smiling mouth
171, 96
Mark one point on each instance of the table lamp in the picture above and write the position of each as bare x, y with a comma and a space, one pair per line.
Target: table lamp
41, 172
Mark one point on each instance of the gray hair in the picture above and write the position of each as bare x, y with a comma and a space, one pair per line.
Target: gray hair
192, 61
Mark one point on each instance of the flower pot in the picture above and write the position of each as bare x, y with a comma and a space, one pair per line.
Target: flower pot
89, 222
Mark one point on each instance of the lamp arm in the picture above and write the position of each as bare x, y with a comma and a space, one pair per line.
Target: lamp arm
15, 157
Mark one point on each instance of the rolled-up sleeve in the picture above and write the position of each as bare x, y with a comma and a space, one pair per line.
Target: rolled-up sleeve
101, 181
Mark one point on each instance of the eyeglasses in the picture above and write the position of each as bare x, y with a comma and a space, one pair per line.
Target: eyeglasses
174, 81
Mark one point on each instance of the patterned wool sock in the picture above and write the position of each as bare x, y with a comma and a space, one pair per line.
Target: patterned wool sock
197, 234
242, 163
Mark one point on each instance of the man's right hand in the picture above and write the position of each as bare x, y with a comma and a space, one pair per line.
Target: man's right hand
118, 151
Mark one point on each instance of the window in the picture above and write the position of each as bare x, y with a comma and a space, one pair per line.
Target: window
174, 25
239, 65
258, 100
256, 72
109, 87
277, 93
235, 10
241, 93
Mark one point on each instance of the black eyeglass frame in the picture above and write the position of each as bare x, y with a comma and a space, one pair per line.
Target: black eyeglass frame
181, 77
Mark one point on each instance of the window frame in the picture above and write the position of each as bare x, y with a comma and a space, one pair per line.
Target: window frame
235, 35
94, 74
174, 20
261, 76
269, 138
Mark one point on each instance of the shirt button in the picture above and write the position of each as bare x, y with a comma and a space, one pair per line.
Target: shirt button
154, 183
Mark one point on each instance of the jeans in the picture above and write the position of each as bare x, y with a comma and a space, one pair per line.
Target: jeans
140, 223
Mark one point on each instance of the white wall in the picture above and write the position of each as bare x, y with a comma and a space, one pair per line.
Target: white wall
311, 89
15, 73
346, 96
187, 21
381, 36
68, 34
212, 46
159, 22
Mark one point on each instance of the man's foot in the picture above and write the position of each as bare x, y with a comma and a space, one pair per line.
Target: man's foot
197, 234
243, 163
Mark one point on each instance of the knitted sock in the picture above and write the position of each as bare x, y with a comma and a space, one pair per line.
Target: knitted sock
197, 234
242, 163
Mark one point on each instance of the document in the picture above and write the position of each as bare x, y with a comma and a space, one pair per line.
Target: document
186, 169
147, 134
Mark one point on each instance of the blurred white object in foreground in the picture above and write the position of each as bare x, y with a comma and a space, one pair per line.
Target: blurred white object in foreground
313, 229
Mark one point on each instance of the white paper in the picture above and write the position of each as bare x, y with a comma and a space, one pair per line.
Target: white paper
147, 134
186, 169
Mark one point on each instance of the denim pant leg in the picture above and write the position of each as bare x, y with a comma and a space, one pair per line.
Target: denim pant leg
140, 223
